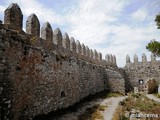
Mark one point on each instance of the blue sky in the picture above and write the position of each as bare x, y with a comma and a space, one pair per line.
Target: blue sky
118, 27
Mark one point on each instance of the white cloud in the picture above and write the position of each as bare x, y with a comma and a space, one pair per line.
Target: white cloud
2, 8
121, 51
129, 40
140, 14
95, 23
33, 6
89, 21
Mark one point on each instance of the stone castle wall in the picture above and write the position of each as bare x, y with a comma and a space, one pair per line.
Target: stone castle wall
144, 70
43, 74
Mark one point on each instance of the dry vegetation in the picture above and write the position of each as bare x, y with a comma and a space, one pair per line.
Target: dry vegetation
157, 95
139, 103
95, 112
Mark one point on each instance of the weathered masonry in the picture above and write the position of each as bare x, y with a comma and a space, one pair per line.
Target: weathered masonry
139, 74
42, 70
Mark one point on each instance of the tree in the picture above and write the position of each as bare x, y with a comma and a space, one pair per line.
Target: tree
154, 46
157, 20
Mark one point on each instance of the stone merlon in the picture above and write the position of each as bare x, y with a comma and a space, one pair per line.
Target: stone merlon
47, 32
14, 17
128, 59
135, 58
33, 25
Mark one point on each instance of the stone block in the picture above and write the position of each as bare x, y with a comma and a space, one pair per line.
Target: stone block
136, 90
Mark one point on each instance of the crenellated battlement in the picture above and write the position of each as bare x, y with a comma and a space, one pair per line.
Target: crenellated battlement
63, 45
143, 60
44, 70
143, 69
49, 69
111, 59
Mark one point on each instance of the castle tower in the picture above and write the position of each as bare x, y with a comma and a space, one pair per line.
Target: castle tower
13, 17
144, 58
33, 25
135, 58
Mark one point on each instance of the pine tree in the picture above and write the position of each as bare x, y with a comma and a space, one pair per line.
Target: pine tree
154, 46
157, 20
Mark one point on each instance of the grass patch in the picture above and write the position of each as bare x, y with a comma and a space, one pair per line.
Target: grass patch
139, 103
157, 95
119, 116
102, 107
112, 94
93, 113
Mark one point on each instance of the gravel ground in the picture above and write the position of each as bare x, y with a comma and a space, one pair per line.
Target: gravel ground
112, 105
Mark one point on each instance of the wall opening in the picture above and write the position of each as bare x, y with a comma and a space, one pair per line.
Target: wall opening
3, 108
57, 59
141, 82
63, 94
152, 86
18, 68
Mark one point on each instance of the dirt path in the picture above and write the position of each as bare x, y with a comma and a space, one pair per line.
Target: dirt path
153, 97
112, 104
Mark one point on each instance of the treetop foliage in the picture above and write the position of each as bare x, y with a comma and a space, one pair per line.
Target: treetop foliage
154, 46
157, 20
